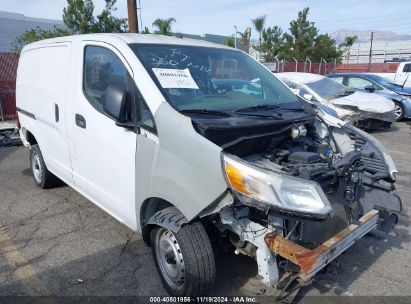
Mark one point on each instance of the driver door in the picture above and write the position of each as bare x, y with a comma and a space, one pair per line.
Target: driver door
103, 154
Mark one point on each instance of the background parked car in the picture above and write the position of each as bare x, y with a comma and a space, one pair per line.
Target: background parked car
400, 95
401, 76
362, 109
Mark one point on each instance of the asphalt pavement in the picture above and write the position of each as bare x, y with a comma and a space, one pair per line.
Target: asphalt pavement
55, 242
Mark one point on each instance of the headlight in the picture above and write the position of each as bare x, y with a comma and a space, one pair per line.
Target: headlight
261, 187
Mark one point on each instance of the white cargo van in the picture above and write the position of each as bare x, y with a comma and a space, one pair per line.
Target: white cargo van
186, 141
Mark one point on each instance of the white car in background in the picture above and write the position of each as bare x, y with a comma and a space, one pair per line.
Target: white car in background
361, 109
401, 76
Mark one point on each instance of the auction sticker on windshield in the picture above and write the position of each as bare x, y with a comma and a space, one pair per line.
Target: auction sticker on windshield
175, 79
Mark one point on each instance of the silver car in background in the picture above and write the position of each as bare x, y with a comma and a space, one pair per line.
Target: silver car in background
360, 109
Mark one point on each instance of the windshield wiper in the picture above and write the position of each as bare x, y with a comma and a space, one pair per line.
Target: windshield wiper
258, 107
206, 112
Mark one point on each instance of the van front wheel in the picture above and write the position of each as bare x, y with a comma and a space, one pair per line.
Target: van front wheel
184, 260
42, 176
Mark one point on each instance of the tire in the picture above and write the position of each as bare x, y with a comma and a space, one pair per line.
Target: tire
42, 176
399, 111
184, 260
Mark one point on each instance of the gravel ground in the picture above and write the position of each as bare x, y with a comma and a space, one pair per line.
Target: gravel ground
55, 242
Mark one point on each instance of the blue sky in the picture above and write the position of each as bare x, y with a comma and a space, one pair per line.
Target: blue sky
219, 16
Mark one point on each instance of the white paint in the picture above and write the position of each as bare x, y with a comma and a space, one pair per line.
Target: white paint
41, 86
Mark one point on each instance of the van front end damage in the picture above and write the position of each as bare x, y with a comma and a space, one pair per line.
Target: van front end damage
312, 261
272, 250
307, 195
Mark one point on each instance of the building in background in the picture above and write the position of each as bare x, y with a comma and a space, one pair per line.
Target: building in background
13, 25
382, 51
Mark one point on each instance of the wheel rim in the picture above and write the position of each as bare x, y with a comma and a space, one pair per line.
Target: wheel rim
398, 111
170, 259
36, 167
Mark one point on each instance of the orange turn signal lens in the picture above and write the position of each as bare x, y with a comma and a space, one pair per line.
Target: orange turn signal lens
236, 179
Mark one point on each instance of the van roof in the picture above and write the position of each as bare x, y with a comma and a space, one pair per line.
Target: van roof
129, 38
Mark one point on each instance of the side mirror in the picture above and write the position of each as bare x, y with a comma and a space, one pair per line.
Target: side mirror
369, 88
309, 97
115, 103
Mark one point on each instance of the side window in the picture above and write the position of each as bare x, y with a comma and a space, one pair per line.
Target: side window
102, 68
338, 79
407, 68
144, 117
359, 83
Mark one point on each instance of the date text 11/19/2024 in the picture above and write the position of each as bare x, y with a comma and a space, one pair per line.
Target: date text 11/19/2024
239, 299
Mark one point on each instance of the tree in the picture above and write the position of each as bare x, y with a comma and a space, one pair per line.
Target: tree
107, 23
325, 47
245, 38
146, 30
229, 42
259, 25
300, 41
347, 44
164, 25
78, 18
272, 43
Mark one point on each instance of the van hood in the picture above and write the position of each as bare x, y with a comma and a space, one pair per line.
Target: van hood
367, 102
225, 131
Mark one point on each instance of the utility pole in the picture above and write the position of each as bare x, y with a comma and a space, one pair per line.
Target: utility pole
132, 16
370, 56
235, 36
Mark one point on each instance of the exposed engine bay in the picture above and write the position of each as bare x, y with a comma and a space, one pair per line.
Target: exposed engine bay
354, 175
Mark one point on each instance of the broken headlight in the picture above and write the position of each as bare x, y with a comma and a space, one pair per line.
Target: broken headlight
263, 188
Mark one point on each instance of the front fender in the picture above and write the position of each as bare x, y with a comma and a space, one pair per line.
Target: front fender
183, 168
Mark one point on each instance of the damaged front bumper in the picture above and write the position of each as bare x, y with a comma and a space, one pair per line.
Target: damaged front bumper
370, 119
312, 261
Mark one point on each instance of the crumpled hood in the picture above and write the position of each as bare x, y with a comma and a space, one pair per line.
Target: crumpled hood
366, 102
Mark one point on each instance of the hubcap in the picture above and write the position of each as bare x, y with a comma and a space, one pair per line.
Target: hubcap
398, 111
170, 258
36, 167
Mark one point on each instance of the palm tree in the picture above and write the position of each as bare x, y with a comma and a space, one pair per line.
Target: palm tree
245, 38
164, 25
347, 44
259, 24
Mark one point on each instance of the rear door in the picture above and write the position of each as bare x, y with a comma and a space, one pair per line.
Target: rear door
103, 153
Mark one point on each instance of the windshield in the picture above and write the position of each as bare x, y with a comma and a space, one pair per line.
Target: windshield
329, 89
212, 79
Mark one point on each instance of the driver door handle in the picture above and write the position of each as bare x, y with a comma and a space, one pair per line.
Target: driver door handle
80, 121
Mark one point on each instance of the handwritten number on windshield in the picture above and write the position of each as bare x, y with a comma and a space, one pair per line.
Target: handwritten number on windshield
178, 59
